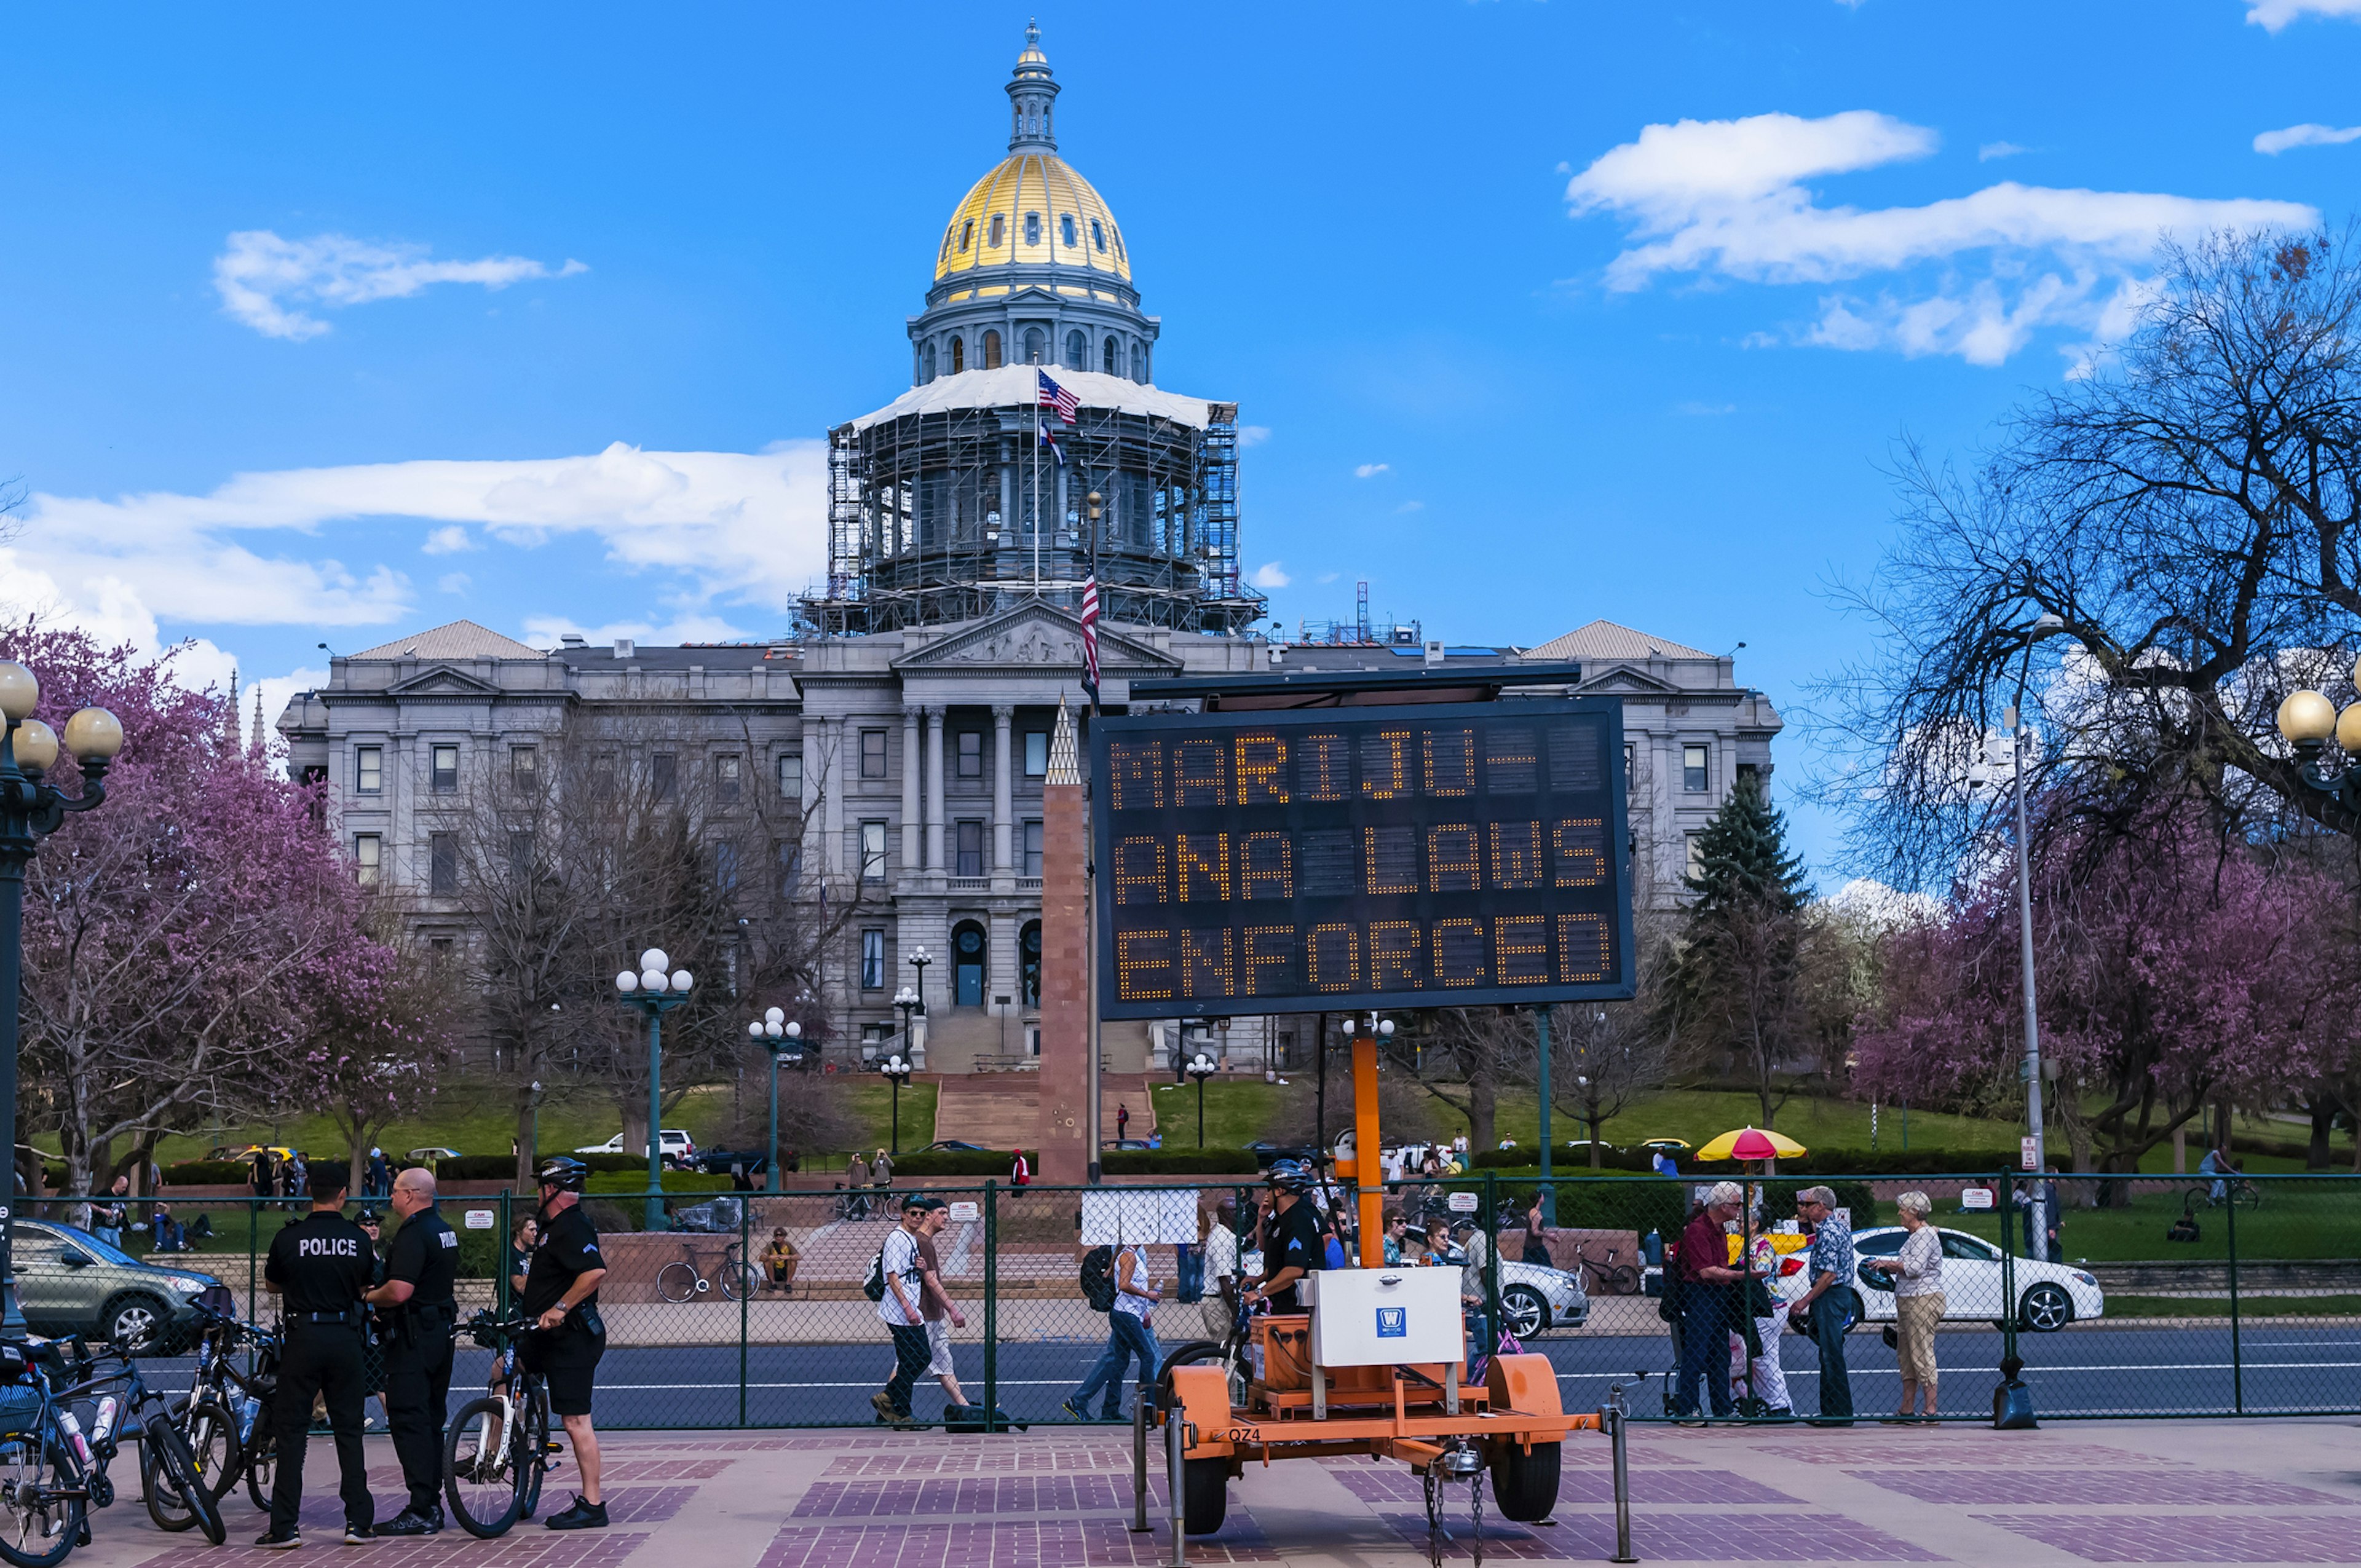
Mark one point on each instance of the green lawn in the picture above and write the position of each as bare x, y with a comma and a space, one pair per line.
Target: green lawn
1236, 1114
2318, 1217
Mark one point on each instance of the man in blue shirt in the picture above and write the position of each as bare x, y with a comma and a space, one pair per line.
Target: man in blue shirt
1831, 1306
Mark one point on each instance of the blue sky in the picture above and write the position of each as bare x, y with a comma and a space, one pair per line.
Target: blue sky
328, 325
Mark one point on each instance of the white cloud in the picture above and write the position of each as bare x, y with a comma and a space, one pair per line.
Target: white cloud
546, 631
453, 583
1727, 198
1993, 150
448, 541
265, 280
1694, 409
2273, 143
1327, 576
1270, 575
1253, 434
1371, 470
2274, 14
1409, 507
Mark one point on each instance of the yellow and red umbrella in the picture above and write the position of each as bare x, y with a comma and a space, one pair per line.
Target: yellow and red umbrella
1749, 1144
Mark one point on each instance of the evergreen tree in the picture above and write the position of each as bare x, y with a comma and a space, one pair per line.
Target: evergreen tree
1742, 857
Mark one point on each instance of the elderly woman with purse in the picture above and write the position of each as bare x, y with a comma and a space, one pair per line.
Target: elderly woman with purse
1917, 1275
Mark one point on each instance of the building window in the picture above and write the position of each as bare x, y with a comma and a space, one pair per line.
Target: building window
1695, 853
959, 356
967, 964
1034, 345
970, 849
971, 753
1139, 363
872, 960
791, 778
967, 235
873, 852
873, 753
927, 358
725, 866
1032, 229
1066, 228
443, 763
1078, 351
999, 230
992, 349
524, 768
1098, 237
369, 859
1029, 964
439, 950
369, 770
726, 778
1108, 360
789, 858
443, 865
1032, 849
663, 774
520, 857
1037, 754
1693, 770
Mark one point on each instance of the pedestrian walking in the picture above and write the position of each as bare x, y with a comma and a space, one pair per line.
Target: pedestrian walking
899, 1310
1020, 1174
1122, 1122
381, 1174
1917, 1275
1219, 1305
106, 1218
319, 1267
1536, 1236
417, 1306
1707, 1303
1830, 1306
1128, 1336
934, 1304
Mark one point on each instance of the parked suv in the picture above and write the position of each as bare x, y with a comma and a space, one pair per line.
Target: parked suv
679, 1147
70, 1282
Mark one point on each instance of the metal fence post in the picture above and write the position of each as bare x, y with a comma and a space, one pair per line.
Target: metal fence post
2008, 1185
749, 1280
1139, 1525
501, 1305
2238, 1360
1176, 1466
253, 1264
1613, 1416
1491, 1228
990, 1303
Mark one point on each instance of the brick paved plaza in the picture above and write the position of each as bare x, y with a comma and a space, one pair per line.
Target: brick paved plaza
2161, 1493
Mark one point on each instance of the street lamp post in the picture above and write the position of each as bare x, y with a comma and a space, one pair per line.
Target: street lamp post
1200, 1068
919, 959
897, 1069
654, 993
2310, 721
30, 810
776, 1035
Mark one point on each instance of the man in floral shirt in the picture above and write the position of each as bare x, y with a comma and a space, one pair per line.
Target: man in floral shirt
1831, 1306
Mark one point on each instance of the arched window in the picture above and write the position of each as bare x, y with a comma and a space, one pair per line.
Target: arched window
959, 356
1032, 229
967, 235
1098, 237
967, 964
1034, 347
999, 230
991, 349
1108, 361
927, 356
1078, 351
1066, 228
945, 254
1140, 362
1029, 963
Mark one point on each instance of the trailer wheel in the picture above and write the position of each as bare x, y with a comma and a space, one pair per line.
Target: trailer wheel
1204, 1493
1524, 1481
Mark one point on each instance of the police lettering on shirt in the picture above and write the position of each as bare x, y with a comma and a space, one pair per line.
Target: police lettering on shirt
329, 1246
321, 1263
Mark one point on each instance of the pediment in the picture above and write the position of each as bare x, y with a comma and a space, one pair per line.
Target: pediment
442, 680
1036, 637
1624, 680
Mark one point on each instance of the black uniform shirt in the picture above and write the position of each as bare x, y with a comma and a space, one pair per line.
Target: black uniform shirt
1293, 1241
426, 1256
568, 1247
320, 1263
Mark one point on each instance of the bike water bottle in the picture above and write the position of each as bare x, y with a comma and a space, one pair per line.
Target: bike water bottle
75, 1439
102, 1424
249, 1410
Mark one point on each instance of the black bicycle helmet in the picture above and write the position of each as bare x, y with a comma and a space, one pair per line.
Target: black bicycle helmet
565, 1175
1291, 1176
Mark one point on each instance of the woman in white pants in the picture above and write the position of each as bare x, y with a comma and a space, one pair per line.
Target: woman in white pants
1768, 1386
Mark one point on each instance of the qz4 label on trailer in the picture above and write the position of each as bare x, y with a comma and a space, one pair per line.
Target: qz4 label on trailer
1451, 855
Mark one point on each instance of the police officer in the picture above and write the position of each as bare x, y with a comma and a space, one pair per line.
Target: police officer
1291, 1242
560, 1295
320, 1265
417, 1308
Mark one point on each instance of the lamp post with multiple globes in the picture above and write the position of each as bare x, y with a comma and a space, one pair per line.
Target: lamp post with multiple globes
655, 993
30, 810
896, 1070
2310, 721
1200, 1068
780, 1038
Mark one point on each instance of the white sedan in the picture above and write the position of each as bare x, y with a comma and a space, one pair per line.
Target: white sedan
2049, 1295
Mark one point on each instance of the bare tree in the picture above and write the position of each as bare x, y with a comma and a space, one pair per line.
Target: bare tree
1605, 1055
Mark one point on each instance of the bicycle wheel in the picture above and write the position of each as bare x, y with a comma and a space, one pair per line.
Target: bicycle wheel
739, 1281
536, 1416
1619, 1280
678, 1282
2247, 1195
481, 1478
179, 1471
36, 1527
260, 1460
212, 1446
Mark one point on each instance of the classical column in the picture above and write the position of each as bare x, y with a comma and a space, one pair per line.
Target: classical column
911, 766
935, 788
833, 747
1002, 716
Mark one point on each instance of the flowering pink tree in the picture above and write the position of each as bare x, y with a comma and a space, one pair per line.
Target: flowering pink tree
379, 1039
2175, 971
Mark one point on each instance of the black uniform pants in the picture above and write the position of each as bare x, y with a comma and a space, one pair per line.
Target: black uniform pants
417, 1395
325, 1359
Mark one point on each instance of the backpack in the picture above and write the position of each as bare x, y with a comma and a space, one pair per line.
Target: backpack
875, 1285
1098, 1278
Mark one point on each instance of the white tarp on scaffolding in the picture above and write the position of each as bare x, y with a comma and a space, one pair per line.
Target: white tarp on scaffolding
1018, 386
1116, 1216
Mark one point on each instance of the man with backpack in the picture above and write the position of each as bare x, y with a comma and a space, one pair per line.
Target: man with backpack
897, 1284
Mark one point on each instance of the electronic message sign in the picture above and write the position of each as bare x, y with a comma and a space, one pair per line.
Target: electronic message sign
1436, 856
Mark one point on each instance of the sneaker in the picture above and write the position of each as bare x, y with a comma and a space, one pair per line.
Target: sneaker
1073, 1410
583, 1515
360, 1534
882, 1403
271, 1540
410, 1522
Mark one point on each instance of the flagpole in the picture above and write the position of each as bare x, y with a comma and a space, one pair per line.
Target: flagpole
1038, 428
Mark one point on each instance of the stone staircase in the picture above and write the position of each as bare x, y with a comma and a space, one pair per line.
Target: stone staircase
1003, 1110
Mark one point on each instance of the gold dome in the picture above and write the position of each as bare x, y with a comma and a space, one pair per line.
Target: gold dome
1032, 209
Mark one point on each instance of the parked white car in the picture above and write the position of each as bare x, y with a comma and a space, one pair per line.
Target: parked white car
1534, 1299
2049, 1295
677, 1146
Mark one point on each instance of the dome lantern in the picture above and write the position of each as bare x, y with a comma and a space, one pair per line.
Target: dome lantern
1031, 93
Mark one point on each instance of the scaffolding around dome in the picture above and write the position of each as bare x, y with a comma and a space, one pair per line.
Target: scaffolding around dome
953, 508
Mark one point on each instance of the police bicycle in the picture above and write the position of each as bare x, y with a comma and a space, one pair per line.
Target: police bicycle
497, 1452
225, 1415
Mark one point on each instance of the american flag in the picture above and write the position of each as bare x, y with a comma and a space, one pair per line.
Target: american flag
1053, 396
1090, 637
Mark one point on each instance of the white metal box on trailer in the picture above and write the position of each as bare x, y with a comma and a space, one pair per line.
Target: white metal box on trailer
1385, 1317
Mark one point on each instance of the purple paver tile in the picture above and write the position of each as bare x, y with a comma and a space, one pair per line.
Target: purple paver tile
1892, 1445
645, 1505
2190, 1538
1396, 1484
985, 1461
1028, 1543
524, 1546
1710, 1538
1949, 1484
971, 1495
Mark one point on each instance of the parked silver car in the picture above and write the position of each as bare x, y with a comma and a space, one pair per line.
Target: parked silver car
70, 1282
